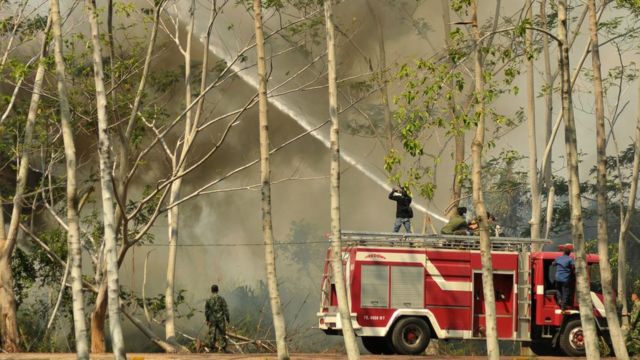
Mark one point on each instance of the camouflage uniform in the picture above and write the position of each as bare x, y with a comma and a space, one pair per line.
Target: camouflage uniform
633, 337
216, 313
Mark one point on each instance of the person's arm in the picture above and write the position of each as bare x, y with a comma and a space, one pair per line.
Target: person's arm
226, 310
392, 195
207, 311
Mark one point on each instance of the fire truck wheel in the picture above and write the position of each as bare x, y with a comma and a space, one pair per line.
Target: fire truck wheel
377, 345
572, 339
410, 336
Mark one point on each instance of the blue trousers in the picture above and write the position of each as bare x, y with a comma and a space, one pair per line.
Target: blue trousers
402, 221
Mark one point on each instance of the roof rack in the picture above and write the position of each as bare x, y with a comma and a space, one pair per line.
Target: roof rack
359, 238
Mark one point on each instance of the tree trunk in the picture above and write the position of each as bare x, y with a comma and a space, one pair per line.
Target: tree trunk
617, 338
548, 97
265, 179
8, 316
353, 353
577, 230
97, 321
73, 231
625, 224
531, 122
548, 123
456, 184
172, 222
178, 166
493, 350
106, 181
9, 320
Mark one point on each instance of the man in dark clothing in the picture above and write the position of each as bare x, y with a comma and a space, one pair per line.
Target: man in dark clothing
564, 276
404, 213
456, 224
216, 314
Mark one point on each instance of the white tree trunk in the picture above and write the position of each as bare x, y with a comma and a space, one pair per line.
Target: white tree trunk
265, 179
493, 350
533, 151
353, 353
106, 181
577, 230
625, 224
73, 231
617, 338
8, 316
456, 184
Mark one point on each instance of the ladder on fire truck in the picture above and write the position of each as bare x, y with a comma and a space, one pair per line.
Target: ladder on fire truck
520, 245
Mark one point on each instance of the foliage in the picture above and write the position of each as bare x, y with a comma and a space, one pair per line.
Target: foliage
438, 99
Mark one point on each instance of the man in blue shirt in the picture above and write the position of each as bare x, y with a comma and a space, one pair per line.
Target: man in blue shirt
564, 276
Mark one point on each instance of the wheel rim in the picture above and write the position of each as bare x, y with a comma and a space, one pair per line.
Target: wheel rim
576, 338
412, 335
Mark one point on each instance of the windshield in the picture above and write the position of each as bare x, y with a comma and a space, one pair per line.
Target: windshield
594, 277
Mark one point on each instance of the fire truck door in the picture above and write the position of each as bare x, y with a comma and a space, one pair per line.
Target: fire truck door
504, 286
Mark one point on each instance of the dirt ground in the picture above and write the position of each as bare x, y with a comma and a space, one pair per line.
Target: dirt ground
133, 356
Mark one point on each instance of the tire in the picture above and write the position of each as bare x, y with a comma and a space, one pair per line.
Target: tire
377, 345
543, 348
572, 339
410, 336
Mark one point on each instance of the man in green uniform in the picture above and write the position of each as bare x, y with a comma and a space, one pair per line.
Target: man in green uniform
216, 314
456, 224
633, 337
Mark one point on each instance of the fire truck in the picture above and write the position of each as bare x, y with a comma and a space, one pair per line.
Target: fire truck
404, 290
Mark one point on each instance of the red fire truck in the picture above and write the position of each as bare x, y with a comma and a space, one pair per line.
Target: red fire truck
404, 290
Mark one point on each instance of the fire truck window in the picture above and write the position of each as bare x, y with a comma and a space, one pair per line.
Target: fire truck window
375, 286
407, 287
549, 274
594, 278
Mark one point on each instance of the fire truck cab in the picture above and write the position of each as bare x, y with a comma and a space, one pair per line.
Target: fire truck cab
403, 290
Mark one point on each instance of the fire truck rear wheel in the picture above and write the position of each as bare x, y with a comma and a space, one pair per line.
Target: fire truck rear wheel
377, 345
411, 336
572, 339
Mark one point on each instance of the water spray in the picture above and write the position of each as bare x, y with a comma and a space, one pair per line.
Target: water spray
282, 105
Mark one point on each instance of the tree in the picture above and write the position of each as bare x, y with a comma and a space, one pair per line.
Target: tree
577, 229
8, 240
531, 121
73, 222
458, 128
353, 353
493, 350
617, 338
106, 181
265, 179
625, 224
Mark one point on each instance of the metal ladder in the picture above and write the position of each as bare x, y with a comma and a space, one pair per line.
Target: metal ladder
523, 328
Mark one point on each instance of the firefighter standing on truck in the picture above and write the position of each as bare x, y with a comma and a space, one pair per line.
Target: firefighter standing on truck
217, 315
564, 276
404, 213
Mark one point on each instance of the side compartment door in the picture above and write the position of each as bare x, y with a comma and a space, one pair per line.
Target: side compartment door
503, 283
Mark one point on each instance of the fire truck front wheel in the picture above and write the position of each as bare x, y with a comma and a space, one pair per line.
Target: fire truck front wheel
572, 339
411, 336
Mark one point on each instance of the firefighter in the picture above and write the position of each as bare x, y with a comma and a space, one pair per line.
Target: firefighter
404, 213
564, 275
457, 223
633, 336
217, 315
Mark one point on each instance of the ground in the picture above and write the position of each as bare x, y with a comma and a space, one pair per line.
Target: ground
133, 356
